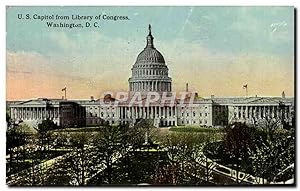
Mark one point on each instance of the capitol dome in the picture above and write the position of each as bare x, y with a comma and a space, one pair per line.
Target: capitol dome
150, 54
150, 72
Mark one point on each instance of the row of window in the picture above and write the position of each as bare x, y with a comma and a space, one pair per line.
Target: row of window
101, 115
195, 122
193, 108
149, 66
150, 72
194, 114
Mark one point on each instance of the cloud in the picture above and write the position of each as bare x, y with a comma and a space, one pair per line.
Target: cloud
91, 63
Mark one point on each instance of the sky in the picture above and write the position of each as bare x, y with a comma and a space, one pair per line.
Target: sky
215, 49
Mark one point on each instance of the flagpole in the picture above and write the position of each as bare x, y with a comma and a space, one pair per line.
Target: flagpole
246, 87
65, 89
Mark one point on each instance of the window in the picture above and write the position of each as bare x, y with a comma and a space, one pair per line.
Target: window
205, 121
194, 114
205, 114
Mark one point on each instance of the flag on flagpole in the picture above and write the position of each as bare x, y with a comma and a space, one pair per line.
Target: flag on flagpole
245, 86
64, 89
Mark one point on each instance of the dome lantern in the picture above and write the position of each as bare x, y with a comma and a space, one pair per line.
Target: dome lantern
150, 39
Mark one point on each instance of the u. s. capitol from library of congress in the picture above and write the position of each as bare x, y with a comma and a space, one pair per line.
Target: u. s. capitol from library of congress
150, 77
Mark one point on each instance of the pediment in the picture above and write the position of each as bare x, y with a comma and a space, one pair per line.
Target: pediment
33, 102
264, 100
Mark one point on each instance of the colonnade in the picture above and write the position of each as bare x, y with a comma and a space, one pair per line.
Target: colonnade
33, 113
165, 114
261, 112
150, 86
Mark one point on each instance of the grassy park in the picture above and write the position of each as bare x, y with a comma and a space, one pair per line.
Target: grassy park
145, 154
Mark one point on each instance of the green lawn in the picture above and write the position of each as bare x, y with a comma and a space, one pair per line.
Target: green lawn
195, 129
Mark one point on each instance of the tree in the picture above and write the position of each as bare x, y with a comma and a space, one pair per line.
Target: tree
44, 133
109, 146
76, 166
275, 152
14, 139
238, 141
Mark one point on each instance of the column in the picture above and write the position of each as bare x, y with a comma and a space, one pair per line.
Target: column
11, 110
175, 112
285, 112
159, 112
25, 113
135, 112
152, 86
148, 86
31, 113
46, 113
153, 112
38, 113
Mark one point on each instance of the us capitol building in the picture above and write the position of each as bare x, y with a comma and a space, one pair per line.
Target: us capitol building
150, 74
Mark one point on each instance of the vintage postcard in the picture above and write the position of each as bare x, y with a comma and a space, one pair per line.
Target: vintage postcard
150, 96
